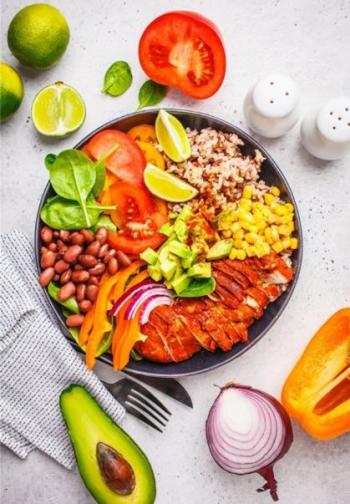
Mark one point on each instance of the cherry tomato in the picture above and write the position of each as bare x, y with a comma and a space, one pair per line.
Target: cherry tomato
143, 132
184, 50
127, 162
134, 203
132, 246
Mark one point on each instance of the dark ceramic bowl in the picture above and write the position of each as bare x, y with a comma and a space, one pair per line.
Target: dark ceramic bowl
271, 173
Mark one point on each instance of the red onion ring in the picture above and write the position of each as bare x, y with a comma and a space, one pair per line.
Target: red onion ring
248, 431
138, 299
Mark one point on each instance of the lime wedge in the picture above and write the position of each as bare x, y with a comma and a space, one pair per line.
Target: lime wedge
172, 137
167, 186
58, 110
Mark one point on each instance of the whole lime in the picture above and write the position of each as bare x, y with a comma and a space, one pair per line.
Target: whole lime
11, 91
38, 35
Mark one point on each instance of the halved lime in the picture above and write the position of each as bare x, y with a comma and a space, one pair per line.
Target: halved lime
167, 186
172, 137
58, 110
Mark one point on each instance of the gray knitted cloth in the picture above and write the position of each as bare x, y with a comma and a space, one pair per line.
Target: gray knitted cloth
37, 362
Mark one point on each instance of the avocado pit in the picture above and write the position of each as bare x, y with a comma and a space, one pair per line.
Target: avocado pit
115, 470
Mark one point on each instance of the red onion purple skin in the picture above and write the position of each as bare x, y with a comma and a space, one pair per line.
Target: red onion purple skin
266, 472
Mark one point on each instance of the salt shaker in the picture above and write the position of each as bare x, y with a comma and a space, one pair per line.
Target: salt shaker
325, 133
271, 107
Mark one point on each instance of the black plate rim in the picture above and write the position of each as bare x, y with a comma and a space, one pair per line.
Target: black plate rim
247, 138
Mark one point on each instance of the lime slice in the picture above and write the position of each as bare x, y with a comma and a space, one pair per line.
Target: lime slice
172, 137
58, 110
167, 186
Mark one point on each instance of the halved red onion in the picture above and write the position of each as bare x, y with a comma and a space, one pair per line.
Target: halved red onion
248, 431
138, 299
142, 286
151, 304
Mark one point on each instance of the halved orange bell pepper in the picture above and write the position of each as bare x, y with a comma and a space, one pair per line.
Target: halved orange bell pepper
317, 391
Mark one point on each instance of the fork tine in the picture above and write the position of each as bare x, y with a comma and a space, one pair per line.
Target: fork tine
137, 402
144, 392
141, 416
148, 403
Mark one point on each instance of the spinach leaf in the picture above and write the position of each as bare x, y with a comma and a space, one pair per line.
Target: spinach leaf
199, 287
60, 213
73, 176
101, 171
49, 160
150, 94
118, 79
106, 222
70, 304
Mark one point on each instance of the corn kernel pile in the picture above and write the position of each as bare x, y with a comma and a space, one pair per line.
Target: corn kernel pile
256, 228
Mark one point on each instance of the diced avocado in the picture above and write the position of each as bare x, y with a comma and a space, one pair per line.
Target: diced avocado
200, 270
187, 262
150, 256
221, 249
155, 273
163, 253
185, 213
180, 283
179, 249
168, 268
113, 467
167, 229
181, 230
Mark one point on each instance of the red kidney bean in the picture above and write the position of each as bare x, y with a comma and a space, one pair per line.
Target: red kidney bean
91, 292
43, 250
61, 266
81, 292
123, 259
87, 260
80, 276
65, 277
78, 267
93, 280
52, 246
88, 235
85, 305
67, 291
72, 253
46, 276
101, 235
93, 248
77, 238
98, 269
65, 235
46, 234
62, 247
103, 250
48, 259
112, 266
56, 234
108, 256
75, 320
56, 277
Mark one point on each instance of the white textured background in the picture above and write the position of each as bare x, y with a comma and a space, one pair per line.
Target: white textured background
308, 39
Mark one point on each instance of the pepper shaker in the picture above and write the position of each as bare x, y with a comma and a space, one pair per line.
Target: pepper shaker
325, 133
271, 107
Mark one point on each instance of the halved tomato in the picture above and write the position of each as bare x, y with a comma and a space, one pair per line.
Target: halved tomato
134, 203
134, 246
127, 162
184, 50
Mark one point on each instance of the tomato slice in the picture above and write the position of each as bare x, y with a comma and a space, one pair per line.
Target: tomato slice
134, 203
132, 246
184, 50
127, 163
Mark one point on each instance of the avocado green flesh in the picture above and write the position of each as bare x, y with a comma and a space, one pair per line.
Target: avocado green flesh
89, 425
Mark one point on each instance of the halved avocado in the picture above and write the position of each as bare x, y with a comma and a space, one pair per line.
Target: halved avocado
113, 467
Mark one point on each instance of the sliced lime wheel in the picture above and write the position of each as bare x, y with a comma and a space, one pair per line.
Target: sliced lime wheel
172, 137
58, 110
167, 186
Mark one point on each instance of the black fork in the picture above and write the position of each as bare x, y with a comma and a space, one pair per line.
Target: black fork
141, 403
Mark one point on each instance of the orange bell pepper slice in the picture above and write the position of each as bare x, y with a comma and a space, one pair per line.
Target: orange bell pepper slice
143, 132
152, 155
317, 391
86, 326
101, 323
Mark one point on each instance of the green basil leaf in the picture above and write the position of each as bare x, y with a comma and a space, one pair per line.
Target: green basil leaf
73, 176
199, 287
60, 213
150, 94
49, 160
118, 79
